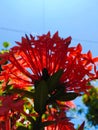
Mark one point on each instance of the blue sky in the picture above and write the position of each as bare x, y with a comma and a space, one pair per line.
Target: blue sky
78, 18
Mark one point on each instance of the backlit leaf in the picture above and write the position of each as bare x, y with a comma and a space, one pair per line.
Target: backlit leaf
67, 96
54, 79
41, 95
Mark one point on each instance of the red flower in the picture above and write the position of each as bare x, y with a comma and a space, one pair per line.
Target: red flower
66, 105
9, 105
61, 122
30, 58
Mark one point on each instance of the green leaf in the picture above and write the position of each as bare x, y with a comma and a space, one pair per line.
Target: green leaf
21, 91
54, 79
67, 96
6, 44
41, 95
31, 120
47, 123
57, 93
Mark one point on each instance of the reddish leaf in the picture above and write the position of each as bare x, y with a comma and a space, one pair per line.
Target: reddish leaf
82, 126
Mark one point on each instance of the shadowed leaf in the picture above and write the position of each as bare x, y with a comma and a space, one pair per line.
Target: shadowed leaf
41, 95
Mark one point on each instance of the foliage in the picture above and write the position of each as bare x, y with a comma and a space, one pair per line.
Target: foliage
6, 44
91, 101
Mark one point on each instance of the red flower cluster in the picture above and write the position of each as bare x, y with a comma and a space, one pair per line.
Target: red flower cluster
9, 108
62, 122
47, 72
37, 58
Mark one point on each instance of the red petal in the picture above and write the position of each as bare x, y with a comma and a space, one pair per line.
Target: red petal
79, 47
95, 59
89, 54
